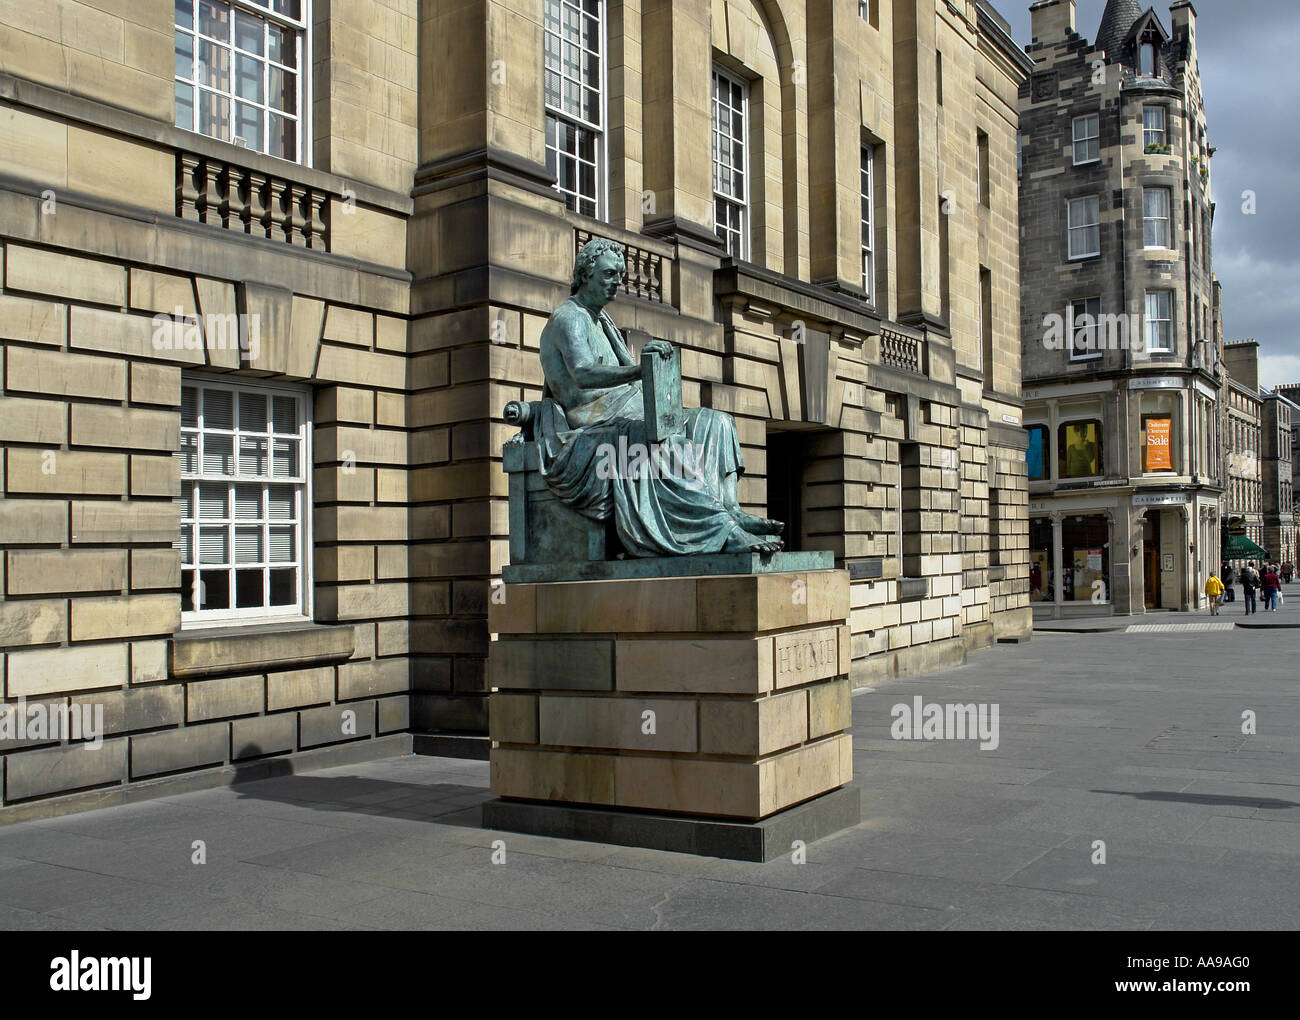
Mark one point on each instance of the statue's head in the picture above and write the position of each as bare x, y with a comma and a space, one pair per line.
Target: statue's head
598, 270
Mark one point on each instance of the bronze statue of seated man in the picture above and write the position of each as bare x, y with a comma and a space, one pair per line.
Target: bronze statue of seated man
674, 497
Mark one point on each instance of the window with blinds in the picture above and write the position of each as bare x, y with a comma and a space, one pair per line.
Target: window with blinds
245, 502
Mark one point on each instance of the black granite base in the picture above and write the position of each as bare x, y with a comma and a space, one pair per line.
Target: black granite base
764, 840
452, 745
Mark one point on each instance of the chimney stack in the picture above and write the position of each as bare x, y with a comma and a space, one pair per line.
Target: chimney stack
1051, 20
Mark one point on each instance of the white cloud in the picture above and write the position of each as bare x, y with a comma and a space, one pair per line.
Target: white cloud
1278, 370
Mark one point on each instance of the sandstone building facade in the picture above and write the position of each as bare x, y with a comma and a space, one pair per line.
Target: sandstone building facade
1121, 371
273, 268
1260, 463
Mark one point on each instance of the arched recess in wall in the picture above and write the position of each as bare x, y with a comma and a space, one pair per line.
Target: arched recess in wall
751, 41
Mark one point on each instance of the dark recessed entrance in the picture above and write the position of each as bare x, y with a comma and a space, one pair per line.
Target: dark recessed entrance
1151, 558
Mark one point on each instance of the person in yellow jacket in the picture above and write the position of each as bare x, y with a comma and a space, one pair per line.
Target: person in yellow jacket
1214, 592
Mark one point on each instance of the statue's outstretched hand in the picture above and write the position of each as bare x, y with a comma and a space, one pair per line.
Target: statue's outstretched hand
660, 347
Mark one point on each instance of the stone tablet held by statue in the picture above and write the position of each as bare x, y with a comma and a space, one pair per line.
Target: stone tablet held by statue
661, 385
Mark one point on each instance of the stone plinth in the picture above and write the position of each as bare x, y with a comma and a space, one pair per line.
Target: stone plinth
711, 697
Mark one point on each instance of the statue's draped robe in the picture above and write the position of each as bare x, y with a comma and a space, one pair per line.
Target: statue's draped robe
669, 503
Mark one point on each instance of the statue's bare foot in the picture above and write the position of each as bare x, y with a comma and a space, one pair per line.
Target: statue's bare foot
756, 525
742, 541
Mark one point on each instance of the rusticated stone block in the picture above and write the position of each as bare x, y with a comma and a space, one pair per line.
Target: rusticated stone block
65, 472
220, 699
336, 723
553, 664
59, 769
762, 602
512, 718
263, 734
136, 521
78, 668
647, 605
48, 272
512, 608
694, 665
644, 724
144, 708
688, 786
553, 775
94, 619
33, 621
753, 728
394, 714
830, 708
65, 375
298, 688
373, 677
33, 520
189, 747
804, 772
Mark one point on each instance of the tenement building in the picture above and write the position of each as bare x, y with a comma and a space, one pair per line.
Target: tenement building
1279, 535
272, 270
1259, 504
1243, 497
1121, 370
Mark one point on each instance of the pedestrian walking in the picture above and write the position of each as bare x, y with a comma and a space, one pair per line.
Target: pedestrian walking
1270, 584
1249, 582
1213, 592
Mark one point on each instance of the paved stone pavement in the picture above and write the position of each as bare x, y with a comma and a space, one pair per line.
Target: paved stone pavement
1132, 739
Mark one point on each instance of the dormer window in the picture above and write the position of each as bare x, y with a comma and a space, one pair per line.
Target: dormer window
1147, 60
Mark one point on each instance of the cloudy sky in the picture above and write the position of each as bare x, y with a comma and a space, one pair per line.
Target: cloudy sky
1250, 75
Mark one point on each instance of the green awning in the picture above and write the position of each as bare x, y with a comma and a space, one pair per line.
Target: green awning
1239, 547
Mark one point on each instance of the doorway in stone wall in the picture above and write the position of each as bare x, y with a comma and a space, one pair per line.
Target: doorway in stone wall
805, 485
1151, 558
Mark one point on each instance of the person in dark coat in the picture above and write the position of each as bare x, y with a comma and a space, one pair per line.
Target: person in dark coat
1249, 582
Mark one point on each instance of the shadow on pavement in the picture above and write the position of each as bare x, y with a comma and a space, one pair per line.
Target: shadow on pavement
1214, 800
445, 803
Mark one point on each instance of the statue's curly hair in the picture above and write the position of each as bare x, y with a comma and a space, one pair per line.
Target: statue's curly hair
586, 260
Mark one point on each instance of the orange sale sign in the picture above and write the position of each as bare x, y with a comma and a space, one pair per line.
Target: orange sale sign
1158, 458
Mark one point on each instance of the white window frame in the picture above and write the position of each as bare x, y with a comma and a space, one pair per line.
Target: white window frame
1155, 135
1093, 224
1151, 222
557, 114
1084, 354
867, 179
302, 33
1150, 323
302, 482
741, 205
1085, 138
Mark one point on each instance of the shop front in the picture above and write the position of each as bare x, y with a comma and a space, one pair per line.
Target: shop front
1070, 563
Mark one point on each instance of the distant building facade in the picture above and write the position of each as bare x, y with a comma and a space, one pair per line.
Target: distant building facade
1261, 464
1243, 446
1122, 381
